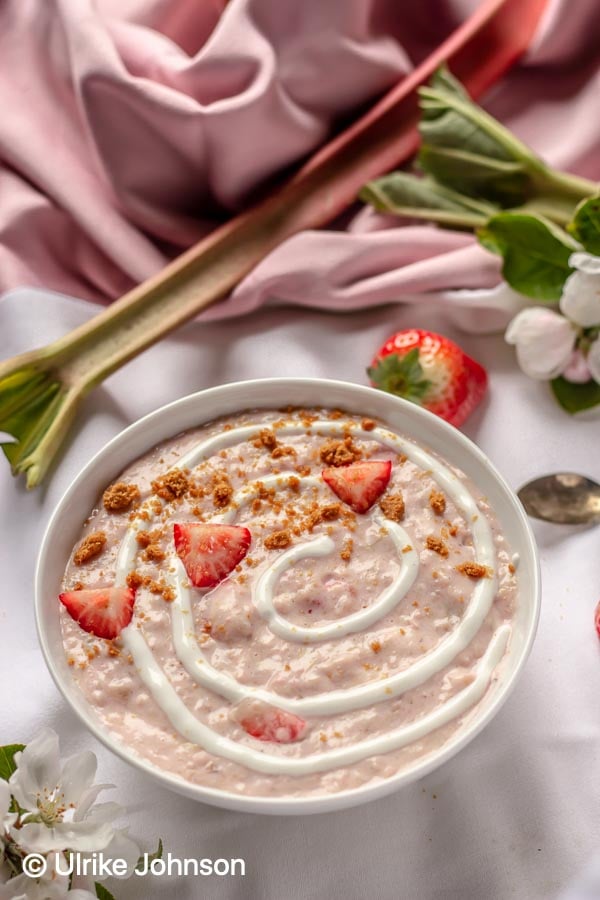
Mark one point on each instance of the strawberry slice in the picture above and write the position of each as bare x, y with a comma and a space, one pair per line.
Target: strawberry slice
430, 370
273, 724
359, 484
104, 612
210, 552
597, 620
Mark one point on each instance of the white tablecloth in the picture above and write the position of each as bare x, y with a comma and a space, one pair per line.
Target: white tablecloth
516, 814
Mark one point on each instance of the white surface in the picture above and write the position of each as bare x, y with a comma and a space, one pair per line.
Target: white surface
515, 815
404, 418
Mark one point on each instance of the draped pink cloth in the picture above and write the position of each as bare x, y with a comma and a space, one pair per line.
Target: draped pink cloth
129, 128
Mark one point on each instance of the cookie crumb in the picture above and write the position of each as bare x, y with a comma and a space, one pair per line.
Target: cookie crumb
222, 491
437, 545
347, 549
172, 485
278, 540
154, 553
294, 484
368, 424
90, 547
120, 496
437, 502
340, 452
393, 507
375, 646
511, 569
134, 580
473, 570
280, 451
266, 438
326, 513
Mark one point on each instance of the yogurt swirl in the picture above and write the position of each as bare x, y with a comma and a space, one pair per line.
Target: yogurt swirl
336, 702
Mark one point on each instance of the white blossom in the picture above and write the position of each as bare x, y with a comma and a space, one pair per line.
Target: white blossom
544, 342
59, 803
51, 886
580, 300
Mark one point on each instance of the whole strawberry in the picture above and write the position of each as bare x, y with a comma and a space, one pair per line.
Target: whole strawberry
430, 370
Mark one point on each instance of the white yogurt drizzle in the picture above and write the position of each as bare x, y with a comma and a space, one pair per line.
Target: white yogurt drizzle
334, 702
197, 733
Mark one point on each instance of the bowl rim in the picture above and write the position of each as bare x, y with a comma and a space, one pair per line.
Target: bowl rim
289, 805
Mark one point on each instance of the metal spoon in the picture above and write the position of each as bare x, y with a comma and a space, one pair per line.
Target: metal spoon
564, 498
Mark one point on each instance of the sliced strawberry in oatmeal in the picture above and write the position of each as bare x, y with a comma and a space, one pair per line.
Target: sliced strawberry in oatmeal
359, 484
104, 612
210, 552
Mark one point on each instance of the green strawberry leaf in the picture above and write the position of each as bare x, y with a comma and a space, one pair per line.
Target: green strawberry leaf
585, 226
576, 397
401, 375
535, 251
103, 893
7, 760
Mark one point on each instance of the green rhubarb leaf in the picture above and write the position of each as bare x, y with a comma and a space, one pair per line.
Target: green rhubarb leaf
7, 760
450, 119
535, 251
585, 226
504, 182
575, 398
403, 194
401, 375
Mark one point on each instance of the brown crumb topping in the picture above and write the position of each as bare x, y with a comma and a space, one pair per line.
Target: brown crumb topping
134, 581
90, 547
222, 491
473, 570
120, 496
280, 451
437, 502
437, 545
172, 485
340, 452
326, 513
266, 438
278, 540
347, 549
511, 569
145, 538
154, 553
375, 646
294, 484
393, 507
368, 424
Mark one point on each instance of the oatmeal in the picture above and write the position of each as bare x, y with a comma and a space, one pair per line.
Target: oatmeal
287, 603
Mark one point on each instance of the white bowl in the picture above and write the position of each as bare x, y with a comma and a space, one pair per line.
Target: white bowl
425, 428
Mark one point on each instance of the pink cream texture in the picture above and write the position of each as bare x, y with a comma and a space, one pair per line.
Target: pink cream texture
235, 638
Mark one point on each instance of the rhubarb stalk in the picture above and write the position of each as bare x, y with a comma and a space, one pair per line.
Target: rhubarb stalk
41, 390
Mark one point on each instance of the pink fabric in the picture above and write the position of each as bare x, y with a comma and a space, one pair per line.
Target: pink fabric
129, 128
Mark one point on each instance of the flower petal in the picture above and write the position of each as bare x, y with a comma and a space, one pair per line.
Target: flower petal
585, 262
580, 299
36, 837
577, 371
593, 360
38, 767
87, 799
6, 818
123, 847
544, 341
77, 776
